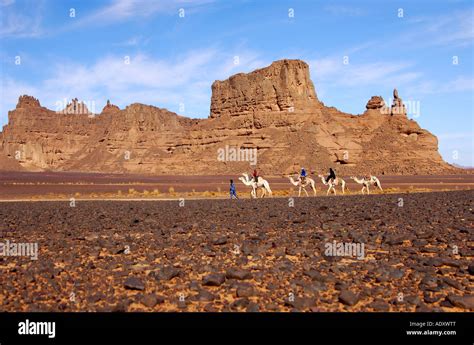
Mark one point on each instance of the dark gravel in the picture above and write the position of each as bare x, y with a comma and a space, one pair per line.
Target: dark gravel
242, 255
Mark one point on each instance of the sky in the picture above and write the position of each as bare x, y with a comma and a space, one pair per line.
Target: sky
167, 53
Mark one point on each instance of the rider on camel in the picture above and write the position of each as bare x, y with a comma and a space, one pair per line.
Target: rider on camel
255, 175
332, 175
303, 175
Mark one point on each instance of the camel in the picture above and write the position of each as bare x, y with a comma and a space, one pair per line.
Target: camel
333, 183
375, 181
302, 186
262, 183
366, 182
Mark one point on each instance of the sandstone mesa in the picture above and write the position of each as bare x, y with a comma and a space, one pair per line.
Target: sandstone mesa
274, 110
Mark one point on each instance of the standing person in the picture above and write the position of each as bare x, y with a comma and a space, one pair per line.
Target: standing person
233, 193
332, 175
303, 175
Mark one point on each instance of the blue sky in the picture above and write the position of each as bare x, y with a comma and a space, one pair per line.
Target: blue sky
177, 48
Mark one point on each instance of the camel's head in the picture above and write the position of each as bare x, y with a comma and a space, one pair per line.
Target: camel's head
320, 175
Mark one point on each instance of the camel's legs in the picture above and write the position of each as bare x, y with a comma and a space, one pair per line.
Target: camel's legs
299, 192
305, 191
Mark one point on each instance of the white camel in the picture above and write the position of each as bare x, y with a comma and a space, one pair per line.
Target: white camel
302, 185
333, 183
262, 183
375, 181
366, 182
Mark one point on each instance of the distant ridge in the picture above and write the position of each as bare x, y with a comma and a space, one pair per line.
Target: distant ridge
274, 110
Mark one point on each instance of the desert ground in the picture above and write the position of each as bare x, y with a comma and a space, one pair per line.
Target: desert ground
65, 185
241, 255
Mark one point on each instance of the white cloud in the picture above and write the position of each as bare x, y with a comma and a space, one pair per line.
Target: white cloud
429, 87
452, 29
21, 22
122, 10
331, 71
165, 83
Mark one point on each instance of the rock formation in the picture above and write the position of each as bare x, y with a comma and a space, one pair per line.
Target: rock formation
398, 108
376, 102
283, 86
76, 108
110, 108
273, 110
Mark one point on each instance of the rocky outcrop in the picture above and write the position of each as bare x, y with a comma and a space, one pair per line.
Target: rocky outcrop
76, 108
376, 102
283, 86
110, 108
398, 108
27, 102
273, 112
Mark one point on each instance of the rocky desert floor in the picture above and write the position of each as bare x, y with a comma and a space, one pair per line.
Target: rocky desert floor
242, 255
65, 185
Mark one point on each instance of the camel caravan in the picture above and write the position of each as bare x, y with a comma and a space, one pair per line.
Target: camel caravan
302, 181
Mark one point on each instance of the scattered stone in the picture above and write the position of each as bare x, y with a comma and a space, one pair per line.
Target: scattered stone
347, 297
245, 291
215, 279
133, 283
470, 269
300, 303
465, 302
204, 296
453, 283
165, 273
237, 273
252, 308
220, 241
379, 305
149, 300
